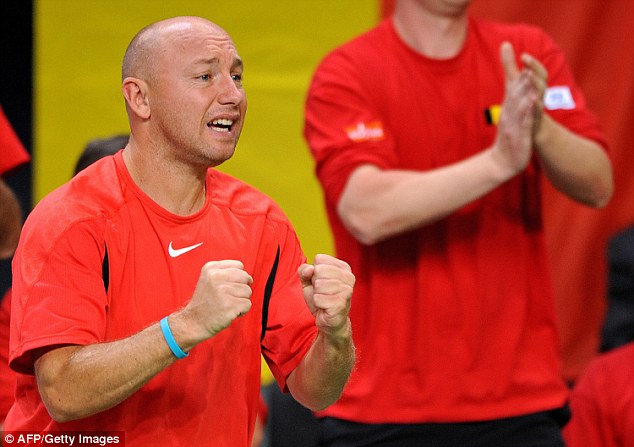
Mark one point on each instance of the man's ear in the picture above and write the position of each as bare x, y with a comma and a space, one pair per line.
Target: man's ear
135, 94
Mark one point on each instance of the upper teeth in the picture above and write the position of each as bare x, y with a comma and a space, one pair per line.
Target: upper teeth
222, 122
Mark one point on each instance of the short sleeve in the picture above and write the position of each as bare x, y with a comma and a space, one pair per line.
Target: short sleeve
594, 409
13, 152
58, 290
290, 329
343, 128
564, 101
7, 376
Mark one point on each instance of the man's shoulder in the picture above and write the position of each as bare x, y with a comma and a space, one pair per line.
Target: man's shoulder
519, 33
371, 42
240, 197
89, 195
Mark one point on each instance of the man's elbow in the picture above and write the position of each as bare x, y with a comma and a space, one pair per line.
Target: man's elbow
60, 416
364, 227
606, 195
321, 402
603, 184
602, 194
320, 407
601, 202
59, 408
365, 236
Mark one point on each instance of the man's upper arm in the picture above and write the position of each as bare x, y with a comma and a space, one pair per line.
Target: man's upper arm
343, 128
58, 292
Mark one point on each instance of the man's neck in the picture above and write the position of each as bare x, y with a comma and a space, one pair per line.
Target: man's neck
176, 190
434, 34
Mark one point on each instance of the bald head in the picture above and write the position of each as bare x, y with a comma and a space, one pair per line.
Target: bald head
142, 51
182, 84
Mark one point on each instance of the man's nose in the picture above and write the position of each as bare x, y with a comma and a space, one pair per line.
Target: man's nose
230, 91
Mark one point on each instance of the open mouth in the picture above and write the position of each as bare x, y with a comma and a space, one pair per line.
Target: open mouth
221, 125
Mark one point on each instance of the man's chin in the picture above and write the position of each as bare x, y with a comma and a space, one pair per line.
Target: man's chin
218, 157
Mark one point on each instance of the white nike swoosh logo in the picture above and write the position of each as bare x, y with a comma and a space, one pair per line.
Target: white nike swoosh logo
174, 252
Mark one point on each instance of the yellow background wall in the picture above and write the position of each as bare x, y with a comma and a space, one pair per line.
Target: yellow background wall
79, 45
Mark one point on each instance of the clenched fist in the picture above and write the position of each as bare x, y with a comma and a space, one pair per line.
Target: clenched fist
223, 293
328, 285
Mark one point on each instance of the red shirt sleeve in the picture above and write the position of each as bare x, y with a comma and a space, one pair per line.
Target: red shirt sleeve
7, 377
291, 328
13, 152
564, 100
601, 402
342, 138
55, 274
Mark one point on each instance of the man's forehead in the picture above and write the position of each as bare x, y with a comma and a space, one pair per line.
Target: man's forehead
188, 33
211, 50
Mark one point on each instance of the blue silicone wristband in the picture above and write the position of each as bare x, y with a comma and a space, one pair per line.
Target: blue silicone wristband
169, 338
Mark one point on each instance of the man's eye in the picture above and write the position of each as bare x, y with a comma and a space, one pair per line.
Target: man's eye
204, 77
236, 77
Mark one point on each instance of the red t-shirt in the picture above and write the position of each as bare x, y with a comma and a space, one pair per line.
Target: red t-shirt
602, 402
12, 152
209, 398
12, 155
7, 376
455, 321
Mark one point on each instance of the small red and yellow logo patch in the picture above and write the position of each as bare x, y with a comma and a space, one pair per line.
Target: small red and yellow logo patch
370, 131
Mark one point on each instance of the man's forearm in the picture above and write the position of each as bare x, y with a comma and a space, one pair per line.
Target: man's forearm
319, 379
380, 204
79, 381
576, 166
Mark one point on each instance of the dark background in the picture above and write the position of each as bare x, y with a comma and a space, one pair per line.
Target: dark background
16, 96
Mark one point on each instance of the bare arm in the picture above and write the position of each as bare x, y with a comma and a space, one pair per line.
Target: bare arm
575, 165
376, 204
79, 381
10, 221
319, 379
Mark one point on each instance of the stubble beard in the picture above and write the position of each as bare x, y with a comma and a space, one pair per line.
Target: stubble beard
195, 148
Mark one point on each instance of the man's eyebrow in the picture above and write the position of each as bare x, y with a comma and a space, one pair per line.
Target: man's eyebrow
206, 61
237, 63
